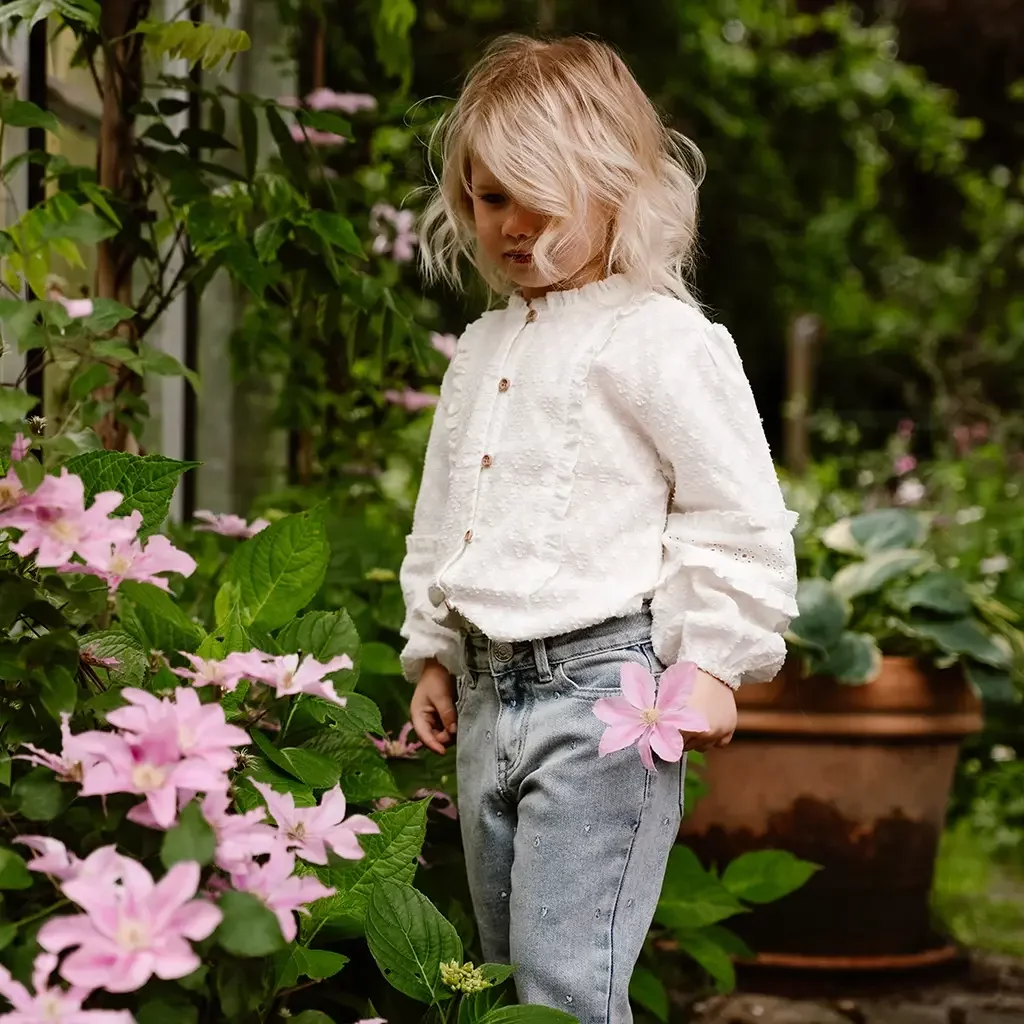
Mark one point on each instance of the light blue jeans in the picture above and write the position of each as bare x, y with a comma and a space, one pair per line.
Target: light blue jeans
565, 851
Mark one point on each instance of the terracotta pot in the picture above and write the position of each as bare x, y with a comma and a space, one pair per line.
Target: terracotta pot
855, 778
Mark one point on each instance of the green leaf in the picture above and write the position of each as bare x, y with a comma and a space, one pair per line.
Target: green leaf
646, 990
992, 685
83, 226
336, 230
410, 938
39, 796
193, 41
250, 131
280, 569
263, 771
319, 964
391, 29
22, 114
324, 121
59, 691
380, 660
106, 315
310, 768
855, 659
291, 153
122, 646
13, 873
191, 839
874, 572
8, 933
939, 591
823, 614
153, 618
249, 928
497, 973
363, 772
162, 1011
886, 529
15, 404
964, 637
389, 855
710, 955
146, 482
692, 897
325, 635
312, 1017
766, 875
527, 1015
93, 377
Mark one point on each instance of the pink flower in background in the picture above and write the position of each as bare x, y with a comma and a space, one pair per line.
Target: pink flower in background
447, 807
52, 857
199, 730
11, 491
904, 464
130, 559
240, 837
310, 830
290, 677
400, 748
77, 309
280, 889
445, 344
76, 753
228, 525
411, 400
905, 429
52, 1005
153, 769
315, 137
90, 657
650, 715
56, 524
346, 102
402, 224
132, 931
20, 447
226, 673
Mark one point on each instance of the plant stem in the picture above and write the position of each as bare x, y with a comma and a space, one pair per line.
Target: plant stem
41, 913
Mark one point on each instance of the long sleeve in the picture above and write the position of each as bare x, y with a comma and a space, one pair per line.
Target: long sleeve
425, 637
726, 592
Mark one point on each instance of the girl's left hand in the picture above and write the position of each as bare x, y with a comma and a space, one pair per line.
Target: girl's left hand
717, 702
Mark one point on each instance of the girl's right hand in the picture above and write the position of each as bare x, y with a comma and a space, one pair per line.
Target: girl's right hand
432, 708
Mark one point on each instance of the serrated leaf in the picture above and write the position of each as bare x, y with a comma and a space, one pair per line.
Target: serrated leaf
146, 482
249, 928
710, 955
15, 404
389, 855
106, 315
363, 773
129, 653
647, 990
766, 875
310, 768
410, 939
280, 569
153, 618
263, 771
324, 635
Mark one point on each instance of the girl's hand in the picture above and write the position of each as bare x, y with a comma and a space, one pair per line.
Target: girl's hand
717, 702
432, 708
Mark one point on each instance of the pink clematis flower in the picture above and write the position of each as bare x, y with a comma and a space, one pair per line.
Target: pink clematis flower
228, 525
445, 344
397, 749
20, 448
226, 673
315, 137
240, 837
447, 808
56, 523
132, 931
412, 401
402, 223
904, 464
310, 830
346, 102
11, 491
288, 677
52, 857
650, 715
130, 559
75, 756
152, 768
200, 730
280, 889
52, 1005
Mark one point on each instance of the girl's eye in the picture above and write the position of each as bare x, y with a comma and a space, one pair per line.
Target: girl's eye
492, 198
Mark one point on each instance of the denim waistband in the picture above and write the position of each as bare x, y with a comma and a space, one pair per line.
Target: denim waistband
498, 656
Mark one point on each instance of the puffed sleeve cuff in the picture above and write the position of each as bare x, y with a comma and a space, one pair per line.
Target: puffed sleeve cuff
727, 593
425, 637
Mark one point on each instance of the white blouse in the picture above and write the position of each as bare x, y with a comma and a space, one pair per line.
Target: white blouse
592, 449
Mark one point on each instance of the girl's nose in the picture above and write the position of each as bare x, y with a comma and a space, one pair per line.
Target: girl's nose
519, 224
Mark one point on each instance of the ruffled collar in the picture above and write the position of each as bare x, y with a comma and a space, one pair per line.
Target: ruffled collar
609, 291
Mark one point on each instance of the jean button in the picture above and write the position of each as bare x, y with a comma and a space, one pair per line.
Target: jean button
502, 652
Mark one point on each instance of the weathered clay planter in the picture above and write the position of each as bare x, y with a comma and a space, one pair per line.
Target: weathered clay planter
855, 778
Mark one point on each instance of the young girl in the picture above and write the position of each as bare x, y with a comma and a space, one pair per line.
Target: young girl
597, 490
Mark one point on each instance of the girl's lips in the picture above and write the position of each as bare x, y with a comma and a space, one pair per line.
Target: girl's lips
518, 257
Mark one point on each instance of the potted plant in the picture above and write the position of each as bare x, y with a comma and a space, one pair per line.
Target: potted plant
847, 759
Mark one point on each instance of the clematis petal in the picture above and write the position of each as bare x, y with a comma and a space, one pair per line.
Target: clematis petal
667, 742
616, 711
637, 685
644, 746
60, 933
617, 737
686, 720
676, 685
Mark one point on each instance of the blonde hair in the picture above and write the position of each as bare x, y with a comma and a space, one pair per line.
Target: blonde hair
563, 125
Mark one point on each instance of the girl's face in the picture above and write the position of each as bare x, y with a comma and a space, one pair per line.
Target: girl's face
507, 232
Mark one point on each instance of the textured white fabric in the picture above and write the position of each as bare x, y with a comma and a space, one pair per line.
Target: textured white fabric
592, 449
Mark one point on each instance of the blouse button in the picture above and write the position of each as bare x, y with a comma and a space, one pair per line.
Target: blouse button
486, 462
531, 316
504, 384
467, 536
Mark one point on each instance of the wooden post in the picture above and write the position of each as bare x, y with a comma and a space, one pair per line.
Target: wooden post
801, 343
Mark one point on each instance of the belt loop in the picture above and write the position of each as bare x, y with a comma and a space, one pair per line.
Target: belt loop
540, 656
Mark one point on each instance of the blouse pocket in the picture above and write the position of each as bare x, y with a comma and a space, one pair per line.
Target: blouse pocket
597, 674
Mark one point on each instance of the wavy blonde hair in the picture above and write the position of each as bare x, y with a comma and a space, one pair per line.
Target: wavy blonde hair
565, 127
